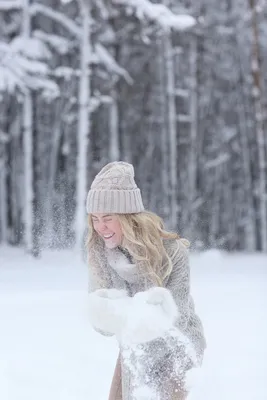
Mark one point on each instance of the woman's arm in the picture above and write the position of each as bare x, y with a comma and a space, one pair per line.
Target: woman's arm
179, 285
179, 280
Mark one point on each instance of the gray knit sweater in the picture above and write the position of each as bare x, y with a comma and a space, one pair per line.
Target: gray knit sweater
114, 270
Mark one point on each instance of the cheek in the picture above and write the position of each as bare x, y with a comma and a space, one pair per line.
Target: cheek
95, 226
117, 229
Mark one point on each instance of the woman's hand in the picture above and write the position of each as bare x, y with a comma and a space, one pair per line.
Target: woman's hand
145, 317
162, 297
151, 314
108, 310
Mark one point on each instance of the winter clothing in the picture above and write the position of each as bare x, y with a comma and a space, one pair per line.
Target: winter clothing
108, 309
116, 387
158, 352
142, 318
114, 191
152, 313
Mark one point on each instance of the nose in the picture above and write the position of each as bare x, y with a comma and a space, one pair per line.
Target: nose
102, 227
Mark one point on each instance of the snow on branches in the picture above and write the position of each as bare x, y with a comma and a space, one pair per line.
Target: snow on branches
101, 53
33, 48
58, 43
71, 26
159, 14
22, 67
10, 5
106, 58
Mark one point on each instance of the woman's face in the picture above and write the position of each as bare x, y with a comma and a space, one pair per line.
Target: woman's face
108, 228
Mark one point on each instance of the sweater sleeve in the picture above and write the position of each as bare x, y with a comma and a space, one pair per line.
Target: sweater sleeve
179, 285
179, 280
99, 277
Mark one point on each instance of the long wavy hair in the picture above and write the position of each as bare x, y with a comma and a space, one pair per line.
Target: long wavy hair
143, 235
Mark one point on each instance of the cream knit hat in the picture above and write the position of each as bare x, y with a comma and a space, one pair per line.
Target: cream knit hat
114, 191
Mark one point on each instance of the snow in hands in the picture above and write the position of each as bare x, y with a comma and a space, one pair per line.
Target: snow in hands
150, 343
152, 346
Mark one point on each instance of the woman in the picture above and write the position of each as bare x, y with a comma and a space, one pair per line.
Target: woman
140, 291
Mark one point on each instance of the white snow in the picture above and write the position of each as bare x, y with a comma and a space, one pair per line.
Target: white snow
145, 393
159, 13
70, 25
101, 53
150, 315
17, 70
58, 43
31, 66
9, 81
49, 351
33, 48
6, 5
106, 58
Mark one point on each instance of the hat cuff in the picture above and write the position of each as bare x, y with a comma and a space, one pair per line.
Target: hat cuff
114, 201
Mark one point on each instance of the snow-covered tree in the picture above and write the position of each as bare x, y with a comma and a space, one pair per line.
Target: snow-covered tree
23, 68
259, 123
3, 188
175, 99
83, 122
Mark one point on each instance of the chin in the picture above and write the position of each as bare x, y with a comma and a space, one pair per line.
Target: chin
111, 245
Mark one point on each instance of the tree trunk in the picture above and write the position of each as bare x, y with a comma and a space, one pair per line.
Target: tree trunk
3, 197
83, 125
49, 200
172, 123
257, 96
114, 150
27, 142
250, 223
215, 207
164, 131
192, 164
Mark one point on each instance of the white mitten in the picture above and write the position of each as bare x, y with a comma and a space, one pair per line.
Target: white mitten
108, 309
151, 314
163, 297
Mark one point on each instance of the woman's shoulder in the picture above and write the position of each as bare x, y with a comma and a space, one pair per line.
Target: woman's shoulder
177, 246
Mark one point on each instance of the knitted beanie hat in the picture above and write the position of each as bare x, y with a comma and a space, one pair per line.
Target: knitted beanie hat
114, 191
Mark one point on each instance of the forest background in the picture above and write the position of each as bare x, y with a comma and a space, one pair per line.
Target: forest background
178, 88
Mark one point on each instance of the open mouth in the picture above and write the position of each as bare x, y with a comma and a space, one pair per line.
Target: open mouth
107, 237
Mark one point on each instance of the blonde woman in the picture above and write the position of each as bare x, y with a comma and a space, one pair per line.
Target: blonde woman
140, 291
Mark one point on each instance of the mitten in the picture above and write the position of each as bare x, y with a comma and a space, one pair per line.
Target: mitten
108, 310
151, 314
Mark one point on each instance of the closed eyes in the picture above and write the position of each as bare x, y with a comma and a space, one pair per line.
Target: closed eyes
105, 220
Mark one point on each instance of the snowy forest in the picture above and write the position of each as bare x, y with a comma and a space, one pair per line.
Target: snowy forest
178, 88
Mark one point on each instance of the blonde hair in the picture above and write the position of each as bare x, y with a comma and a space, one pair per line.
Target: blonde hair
143, 235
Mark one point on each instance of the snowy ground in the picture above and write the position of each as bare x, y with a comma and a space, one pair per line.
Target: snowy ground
49, 351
